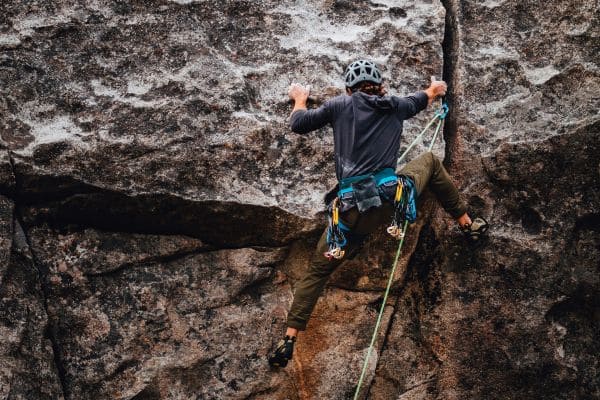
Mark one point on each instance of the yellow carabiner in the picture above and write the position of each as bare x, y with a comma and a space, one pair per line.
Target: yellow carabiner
398, 191
336, 213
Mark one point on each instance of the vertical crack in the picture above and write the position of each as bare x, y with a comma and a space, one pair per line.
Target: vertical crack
450, 50
384, 340
50, 331
396, 293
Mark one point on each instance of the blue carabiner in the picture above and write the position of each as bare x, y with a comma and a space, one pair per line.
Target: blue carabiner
443, 111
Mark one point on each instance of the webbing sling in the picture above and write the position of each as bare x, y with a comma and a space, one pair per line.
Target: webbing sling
440, 115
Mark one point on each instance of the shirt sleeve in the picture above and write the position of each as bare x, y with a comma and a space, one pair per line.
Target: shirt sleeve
304, 121
409, 106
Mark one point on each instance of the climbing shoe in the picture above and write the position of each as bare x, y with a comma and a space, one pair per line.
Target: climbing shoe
283, 352
475, 231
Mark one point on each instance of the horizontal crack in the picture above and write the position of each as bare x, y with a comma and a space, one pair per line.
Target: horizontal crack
150, 260
63, 202
218, 223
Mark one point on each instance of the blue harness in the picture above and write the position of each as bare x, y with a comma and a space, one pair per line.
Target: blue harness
405, 208
382, 177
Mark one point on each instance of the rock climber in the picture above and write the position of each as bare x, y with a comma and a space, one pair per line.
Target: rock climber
367, 125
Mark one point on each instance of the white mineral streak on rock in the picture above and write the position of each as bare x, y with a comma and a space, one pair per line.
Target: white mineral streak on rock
497, 50
106, 91
493, 3
138, 88
52, 130
26, 26
245, 115
311, 32
539, 76
9, 40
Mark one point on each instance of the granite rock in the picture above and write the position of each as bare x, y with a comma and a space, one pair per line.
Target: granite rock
155, 210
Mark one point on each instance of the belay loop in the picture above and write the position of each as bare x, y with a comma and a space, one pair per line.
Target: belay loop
336, 239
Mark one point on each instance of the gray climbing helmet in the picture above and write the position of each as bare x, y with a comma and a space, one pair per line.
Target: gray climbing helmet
362, 71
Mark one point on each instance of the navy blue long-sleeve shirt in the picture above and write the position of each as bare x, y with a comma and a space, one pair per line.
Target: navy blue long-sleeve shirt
366, 129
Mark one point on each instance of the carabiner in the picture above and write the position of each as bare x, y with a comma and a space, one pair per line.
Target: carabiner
443, 111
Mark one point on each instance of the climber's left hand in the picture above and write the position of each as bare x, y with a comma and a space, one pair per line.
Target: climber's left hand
298, 93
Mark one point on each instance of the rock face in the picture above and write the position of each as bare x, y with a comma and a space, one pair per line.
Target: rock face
155, 210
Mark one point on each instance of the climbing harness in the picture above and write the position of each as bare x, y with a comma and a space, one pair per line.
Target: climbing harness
395, 231
362, 191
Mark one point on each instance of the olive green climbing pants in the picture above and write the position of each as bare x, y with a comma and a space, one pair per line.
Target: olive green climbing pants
427, 172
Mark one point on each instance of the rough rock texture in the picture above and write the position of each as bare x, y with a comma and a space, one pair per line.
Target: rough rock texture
519, 318
26, 351
155, 210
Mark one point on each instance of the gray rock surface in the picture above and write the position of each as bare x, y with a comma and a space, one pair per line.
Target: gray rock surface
155, 210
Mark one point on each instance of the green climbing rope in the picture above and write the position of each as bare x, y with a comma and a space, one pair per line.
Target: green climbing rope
440, 115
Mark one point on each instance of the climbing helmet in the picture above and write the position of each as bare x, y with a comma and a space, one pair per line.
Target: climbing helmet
362, 71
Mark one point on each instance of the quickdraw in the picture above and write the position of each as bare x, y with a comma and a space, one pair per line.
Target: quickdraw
394, 229
404, 207
335, 235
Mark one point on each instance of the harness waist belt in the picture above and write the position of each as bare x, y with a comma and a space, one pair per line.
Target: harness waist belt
381, 177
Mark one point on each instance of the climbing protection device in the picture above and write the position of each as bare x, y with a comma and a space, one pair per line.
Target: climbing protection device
439, 116
405, 206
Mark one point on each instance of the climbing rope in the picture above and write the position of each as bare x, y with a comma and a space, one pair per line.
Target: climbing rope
440, 115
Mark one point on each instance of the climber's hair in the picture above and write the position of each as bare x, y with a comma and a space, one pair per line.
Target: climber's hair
369, 88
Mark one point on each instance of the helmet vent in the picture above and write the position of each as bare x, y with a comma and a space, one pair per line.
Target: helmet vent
361, 71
